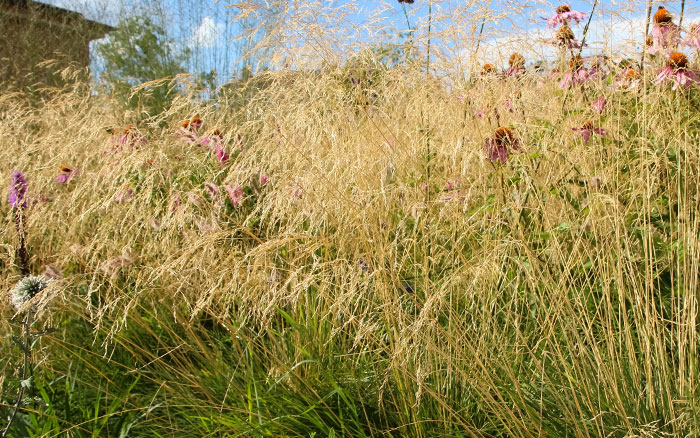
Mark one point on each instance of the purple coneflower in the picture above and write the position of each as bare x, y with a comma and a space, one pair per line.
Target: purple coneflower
577, 74
488, 70
693, 37
565, 38
587, 130
65, 175
222, 156
264, 179
502, 145
677, 70
214, 140
630, 79
187, 133
124, 195
235, 194
599, 104
195, 124
212, 190
516, 65
665, 35
17, 190
563, 15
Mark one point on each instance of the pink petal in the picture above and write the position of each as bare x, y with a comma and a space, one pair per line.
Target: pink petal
222, 156
235, 194
212, 189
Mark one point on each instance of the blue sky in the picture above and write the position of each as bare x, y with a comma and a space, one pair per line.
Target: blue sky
204, 27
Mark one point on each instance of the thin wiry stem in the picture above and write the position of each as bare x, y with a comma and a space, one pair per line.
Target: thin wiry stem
430, 23
585, 28
680, 20
22, 251
646, 32
25, 366
410, 29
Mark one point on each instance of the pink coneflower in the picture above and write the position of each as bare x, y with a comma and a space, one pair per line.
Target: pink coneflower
65, 175
235, 194
240, 141
194, 199
587, 130
479, 114
629, 79
577, 74
563, 15
195, 123
130, 137
488, 70
174, 202
222, 156
264, 179
214, 140
677, 71
185, 133
501, 145
693, 37
124, 195
516, 65
599, 104
565, 38
189, 130
211, 189
665, 35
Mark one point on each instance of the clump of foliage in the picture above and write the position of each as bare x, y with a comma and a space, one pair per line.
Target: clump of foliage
137, 52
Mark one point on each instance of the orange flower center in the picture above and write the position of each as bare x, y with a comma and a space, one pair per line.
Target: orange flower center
678, 61
588, 125
196, 120
576, 63
66, 169
563, 8
503, 135
565, 33
662, 16
489, 68
516, 60
186, 123
217, 132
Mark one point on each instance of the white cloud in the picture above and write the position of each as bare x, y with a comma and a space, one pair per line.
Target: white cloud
617, 38
207, 34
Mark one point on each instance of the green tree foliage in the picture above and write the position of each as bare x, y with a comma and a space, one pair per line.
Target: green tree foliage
139, 51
